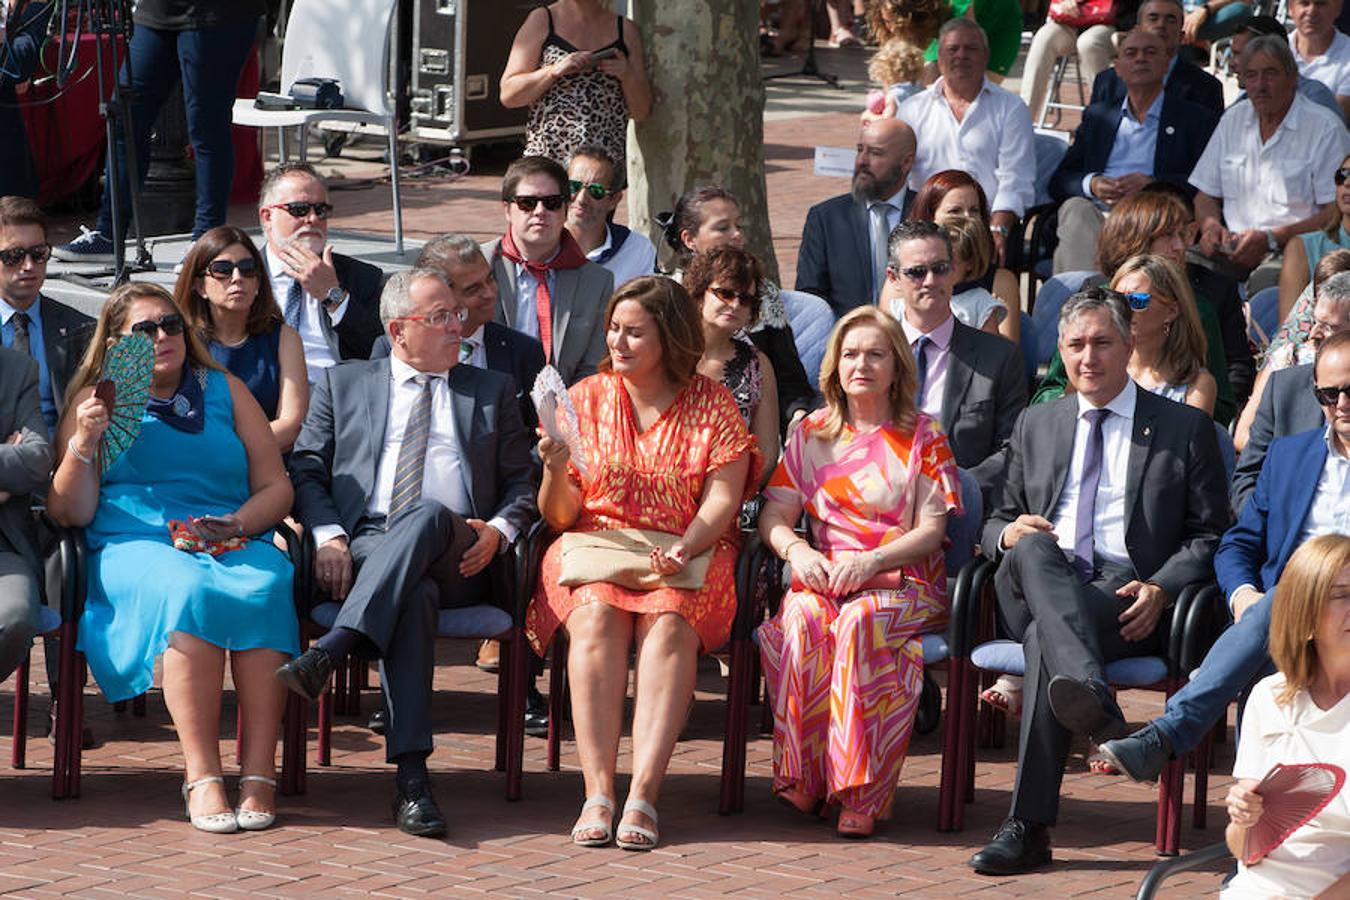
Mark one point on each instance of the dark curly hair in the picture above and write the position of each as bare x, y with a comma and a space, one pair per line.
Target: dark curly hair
726, 266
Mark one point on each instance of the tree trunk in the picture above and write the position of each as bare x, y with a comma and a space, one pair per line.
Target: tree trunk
707, 121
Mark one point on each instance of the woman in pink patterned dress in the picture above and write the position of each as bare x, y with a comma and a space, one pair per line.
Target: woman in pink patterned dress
843, 657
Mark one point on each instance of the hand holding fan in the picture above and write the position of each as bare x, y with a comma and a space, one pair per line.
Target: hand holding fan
124, 388
557, 415
1290, 797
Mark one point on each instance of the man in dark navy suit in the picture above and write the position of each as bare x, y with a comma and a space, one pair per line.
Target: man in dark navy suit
1187, 81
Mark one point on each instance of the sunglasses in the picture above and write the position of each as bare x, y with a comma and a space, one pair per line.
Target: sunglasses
1331, 394
300, 208
919, 273
441, 318
726, 295
224, 269
552, 202
38, 253
595, 189
1138, 300
169, 323
1342, 174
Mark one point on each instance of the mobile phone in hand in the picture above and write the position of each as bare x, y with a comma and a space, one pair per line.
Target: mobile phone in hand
607, 53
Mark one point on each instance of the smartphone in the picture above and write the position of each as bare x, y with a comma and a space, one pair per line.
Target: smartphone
607, 53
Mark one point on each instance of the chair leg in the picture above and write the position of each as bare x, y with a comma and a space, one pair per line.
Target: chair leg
1200, 799
503, 704
293, 736
557, 687
65, 709
339, 689
19, 753
138, 706
77, 723
966, 758
951, 748
733, 736
357, 676
1167, 839
326, 701
519, 661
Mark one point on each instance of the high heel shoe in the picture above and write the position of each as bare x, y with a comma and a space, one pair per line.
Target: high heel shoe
251, 819
215, 823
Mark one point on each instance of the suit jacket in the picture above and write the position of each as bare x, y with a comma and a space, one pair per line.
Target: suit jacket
1255, 550
65, 336
360, 326
1184, 128
834, 261
1287, 407
986, 391
579, 299
1175, 490
338, 452
25, 466
1187, 81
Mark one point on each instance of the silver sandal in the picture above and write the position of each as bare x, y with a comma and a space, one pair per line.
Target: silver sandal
251, 819
603, 802
651, 834
215, 823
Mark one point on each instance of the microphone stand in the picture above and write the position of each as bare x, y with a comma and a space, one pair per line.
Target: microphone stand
809, 68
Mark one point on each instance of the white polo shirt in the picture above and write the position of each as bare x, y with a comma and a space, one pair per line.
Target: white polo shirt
1281, 181
1331, 68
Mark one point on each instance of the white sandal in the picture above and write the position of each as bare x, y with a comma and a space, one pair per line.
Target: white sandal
603, 802
251, 819
215, 823
651, 834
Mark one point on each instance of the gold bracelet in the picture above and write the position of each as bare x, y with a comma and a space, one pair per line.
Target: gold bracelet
783, 554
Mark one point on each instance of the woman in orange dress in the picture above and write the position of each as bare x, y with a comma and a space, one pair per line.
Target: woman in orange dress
843, 657
664, 449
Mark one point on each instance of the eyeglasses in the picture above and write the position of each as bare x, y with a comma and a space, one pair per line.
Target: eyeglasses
919, 273
726, 295
224, 268
1138, 300
38, 253
552, 202
1331, 394
170, 323
299, 208
441, 318
595, 189
1342, 174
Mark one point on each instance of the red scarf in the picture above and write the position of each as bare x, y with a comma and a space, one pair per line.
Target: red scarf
569, 256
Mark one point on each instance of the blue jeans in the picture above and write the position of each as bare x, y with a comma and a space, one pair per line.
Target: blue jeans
208, 61
1238, 657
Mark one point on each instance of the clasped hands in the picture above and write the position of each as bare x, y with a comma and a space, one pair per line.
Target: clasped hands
837, 577
333, 560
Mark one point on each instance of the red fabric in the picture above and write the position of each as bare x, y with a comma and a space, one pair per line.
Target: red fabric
569, 256
248, 161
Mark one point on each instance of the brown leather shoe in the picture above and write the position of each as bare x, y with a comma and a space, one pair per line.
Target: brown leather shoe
489, 656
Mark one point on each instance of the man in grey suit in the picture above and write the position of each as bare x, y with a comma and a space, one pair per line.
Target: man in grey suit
412, 472
25, 463
971, 381
1114, 501
546, 287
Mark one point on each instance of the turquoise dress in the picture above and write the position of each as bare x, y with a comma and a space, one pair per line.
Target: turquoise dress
141, 590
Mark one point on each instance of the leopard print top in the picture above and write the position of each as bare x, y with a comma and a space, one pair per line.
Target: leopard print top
584, 108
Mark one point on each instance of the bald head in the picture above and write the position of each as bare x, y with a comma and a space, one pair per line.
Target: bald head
885, 156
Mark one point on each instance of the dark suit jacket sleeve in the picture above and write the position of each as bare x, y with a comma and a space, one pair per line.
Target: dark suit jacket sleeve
794, 390
1242, 551
312, 459
1206, 515
515, 467
360, 324
1254, 453
1068, 178
813, 268
1101, 86
1011, 500
1008, 405
25, 466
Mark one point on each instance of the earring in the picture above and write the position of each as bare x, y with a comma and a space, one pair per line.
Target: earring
1167, 330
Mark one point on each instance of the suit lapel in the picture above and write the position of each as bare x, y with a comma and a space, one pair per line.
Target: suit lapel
377, 414
462, 402
959, 374
503, 270
1303, 488
56, 342
862, 239
565, 282
1061, 449
1141, 444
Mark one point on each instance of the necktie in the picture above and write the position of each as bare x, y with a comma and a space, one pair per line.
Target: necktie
543, 306
881, 237
1087, 496
20, 321
466, 348
921, 364
412, 454
295, 300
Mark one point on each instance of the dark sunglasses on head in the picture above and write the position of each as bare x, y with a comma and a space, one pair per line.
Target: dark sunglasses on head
552, 202
726, 295
1331, 394
597, 190
169, 323
224, 268
300, 208
1341, 174
38, 253
919, 273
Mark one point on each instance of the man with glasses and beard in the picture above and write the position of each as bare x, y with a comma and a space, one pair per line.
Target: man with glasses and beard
331, 299
546, 287
843, 254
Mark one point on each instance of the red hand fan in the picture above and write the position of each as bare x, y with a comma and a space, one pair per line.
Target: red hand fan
1290, 797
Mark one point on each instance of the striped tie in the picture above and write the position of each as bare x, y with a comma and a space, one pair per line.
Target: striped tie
295, 299
412, 454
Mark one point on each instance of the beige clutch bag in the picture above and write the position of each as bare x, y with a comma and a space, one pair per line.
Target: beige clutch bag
622, 556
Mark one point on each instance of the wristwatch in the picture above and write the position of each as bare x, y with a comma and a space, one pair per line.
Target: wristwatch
1000, 230
1271, 243
334, 298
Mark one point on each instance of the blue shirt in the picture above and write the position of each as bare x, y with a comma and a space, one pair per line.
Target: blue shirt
1135, 146
39, 351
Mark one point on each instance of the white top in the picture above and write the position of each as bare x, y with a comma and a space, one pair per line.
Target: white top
1281, 181
974, 307
1313, 857
994, 143
636, 257
1108, 516
1331, 68
318, 352
1330, 510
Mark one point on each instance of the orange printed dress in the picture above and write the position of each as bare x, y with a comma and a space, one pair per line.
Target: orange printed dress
649, 479
845, 673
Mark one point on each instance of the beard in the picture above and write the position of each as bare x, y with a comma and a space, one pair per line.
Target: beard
868, 187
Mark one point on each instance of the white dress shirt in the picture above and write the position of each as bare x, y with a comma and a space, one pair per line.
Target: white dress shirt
994, 143
318, 352
1108, 516
1331, 68
935, 384
527, 311
1281, 181
1330, 510
636, 257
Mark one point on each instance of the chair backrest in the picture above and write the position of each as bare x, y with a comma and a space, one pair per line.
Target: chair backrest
963, 531
1050, 151
812, 320
347, 40
1264, 314
1045, 319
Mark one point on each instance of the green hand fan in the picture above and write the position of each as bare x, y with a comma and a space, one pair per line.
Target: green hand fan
125, 389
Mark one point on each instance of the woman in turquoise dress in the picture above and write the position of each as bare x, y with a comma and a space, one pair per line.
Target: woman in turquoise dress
205, 449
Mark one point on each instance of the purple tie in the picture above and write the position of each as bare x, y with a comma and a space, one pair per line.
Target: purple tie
1087, 496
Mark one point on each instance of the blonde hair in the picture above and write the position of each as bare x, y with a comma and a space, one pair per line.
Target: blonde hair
902, 386
1184, 346
897, 62
972, 244
1301, 597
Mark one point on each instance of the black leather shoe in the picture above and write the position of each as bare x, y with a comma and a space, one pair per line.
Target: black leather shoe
1141, 756
416, 812
1019, 846
378, 722
308, 673
1086, 707
536, 714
